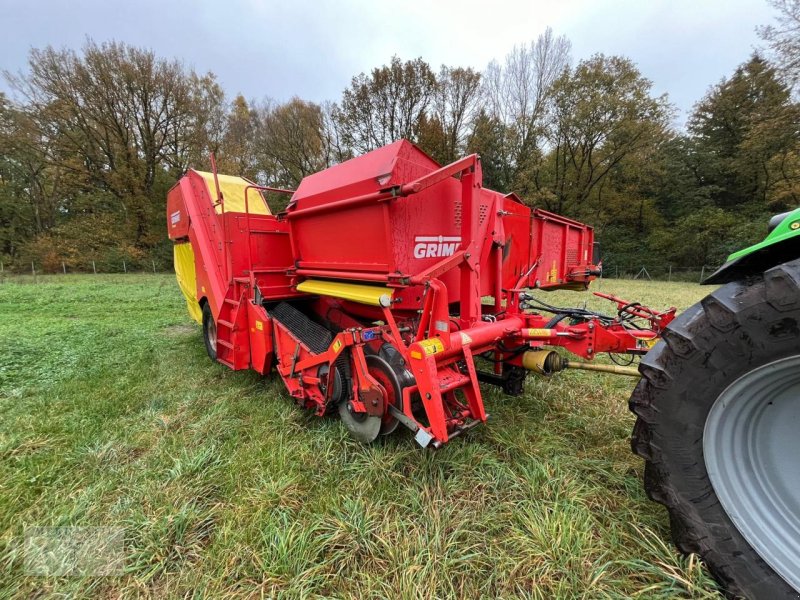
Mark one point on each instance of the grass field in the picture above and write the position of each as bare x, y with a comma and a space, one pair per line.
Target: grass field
112, 414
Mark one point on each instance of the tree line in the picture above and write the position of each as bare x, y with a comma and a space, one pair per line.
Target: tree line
93, 139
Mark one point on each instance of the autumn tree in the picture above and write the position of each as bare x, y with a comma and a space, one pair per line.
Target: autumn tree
120, 115
208, 129
293, 142
31, 188
386, 105
444, 131
238, 150
603, 113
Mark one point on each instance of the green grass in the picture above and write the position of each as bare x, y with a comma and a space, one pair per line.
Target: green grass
111, 414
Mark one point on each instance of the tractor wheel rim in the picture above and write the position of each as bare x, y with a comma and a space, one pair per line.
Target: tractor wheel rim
751, 446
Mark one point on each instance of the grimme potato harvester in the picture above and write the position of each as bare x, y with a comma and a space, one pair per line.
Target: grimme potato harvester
391, 287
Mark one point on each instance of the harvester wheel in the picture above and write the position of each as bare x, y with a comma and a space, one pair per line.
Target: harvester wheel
209, 332
718, 424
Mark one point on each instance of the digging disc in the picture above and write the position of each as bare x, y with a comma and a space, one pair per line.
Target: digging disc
365, 428
383, 373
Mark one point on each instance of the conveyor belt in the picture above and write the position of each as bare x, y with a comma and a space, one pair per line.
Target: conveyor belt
312, 334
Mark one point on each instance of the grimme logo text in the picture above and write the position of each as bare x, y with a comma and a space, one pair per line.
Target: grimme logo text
435, 246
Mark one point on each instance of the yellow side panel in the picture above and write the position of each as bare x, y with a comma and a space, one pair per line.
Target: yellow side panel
187, 281
232, 189
365, 294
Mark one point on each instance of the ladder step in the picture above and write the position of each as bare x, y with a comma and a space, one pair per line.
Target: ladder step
241, 279
224, 343
459, 430
453, 382
225, 362
231, 302
225, 323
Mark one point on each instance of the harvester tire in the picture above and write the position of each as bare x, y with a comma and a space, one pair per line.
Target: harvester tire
209, 332
715, 446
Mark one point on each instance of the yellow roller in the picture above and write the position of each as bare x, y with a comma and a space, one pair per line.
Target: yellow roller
372, 295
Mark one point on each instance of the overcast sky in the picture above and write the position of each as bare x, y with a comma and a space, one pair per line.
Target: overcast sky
311, 49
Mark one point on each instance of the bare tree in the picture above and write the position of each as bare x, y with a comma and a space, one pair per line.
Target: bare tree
455, 103
784, 39
514, 119
517, 92
336, 150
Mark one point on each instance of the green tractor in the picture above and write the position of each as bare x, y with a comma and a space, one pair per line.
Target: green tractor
718, 420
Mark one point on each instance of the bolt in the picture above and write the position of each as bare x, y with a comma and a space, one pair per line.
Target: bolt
374, 403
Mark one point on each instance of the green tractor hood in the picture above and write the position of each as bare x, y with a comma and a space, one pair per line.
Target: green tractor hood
781, 245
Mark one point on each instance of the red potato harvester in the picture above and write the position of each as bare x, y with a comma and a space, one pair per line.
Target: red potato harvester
387, 276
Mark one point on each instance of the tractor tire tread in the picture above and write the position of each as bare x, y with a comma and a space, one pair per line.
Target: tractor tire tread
733, 324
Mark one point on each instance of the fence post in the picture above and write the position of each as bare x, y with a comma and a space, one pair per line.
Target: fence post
124, 268
154, 266
616, 272
669, 276
63, 267
94, 268
702, 272
33, 269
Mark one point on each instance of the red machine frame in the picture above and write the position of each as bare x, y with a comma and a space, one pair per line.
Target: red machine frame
429, 319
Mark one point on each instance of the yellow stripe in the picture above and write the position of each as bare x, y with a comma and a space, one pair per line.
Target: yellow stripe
232, 189
365, 294
184, 272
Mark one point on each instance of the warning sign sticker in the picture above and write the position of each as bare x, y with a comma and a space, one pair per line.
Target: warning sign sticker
432, 346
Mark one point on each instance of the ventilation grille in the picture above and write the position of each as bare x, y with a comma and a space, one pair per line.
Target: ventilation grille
572, 257
483, 211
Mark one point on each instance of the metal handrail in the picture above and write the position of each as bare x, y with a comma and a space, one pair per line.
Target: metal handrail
221, 202
261, 188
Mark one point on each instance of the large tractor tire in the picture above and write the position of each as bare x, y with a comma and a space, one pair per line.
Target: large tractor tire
718, 424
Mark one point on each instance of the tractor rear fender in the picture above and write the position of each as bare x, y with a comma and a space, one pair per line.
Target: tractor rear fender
781, 245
